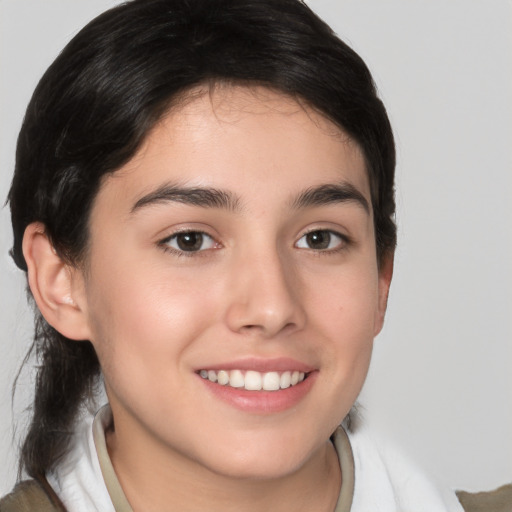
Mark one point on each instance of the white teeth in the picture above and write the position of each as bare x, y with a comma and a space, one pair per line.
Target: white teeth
254, 381
223, 377
286, 380
271, 381
236, 379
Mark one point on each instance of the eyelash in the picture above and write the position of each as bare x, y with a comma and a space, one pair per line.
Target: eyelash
343, 241
342, 244
164, 244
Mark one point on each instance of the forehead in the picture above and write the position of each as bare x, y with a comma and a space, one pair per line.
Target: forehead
251, 140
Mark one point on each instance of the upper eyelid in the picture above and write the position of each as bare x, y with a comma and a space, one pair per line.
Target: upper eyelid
185, 229
165, 245
334, 231
345, 241
190, 229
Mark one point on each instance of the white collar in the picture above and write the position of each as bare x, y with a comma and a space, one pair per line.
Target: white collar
376, 477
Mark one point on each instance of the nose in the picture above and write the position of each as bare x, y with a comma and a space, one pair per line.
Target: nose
264, 296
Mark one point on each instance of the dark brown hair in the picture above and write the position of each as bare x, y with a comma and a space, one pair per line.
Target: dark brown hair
107, 89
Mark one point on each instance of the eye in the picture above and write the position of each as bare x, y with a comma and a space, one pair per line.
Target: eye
321, 240
189, 241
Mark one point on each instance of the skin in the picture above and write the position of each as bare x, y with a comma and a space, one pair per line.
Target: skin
256, 289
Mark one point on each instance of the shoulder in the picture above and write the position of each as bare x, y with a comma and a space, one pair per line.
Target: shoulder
387, 479
27, 496
381, 466
499, 500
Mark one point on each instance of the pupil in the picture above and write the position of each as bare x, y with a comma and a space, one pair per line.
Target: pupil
190, 241
318, 239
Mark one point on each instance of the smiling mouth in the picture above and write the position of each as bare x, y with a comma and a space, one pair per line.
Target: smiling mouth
254, 381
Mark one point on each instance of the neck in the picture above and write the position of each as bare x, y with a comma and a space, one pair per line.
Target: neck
154, 480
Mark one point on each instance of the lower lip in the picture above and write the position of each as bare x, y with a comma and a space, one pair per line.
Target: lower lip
262, 402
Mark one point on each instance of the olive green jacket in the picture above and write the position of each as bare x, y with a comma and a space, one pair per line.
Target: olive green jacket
31, 496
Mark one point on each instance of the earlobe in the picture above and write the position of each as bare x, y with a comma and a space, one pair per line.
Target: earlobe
385, 276
56, 286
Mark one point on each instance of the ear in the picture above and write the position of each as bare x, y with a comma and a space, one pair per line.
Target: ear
57, 287
385, 276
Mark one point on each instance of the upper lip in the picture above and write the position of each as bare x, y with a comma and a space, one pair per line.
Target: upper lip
262, 365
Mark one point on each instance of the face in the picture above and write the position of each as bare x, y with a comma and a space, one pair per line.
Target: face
231, 288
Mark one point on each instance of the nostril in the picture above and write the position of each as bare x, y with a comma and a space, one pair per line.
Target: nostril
267, 329
266, 310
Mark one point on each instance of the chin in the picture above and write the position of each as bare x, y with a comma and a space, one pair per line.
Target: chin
259, 459
274, 468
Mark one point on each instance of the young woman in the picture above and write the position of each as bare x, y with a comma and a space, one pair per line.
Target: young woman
203, 203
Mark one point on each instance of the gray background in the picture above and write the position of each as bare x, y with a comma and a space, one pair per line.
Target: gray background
440, 381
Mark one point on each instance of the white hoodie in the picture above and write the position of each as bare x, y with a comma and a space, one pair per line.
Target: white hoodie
376, 477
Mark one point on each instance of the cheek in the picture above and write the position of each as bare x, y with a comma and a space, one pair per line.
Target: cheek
346, 303
143, 317
345, 314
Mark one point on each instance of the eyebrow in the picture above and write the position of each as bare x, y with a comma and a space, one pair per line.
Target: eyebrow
208, 197
205, 197
330, 193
